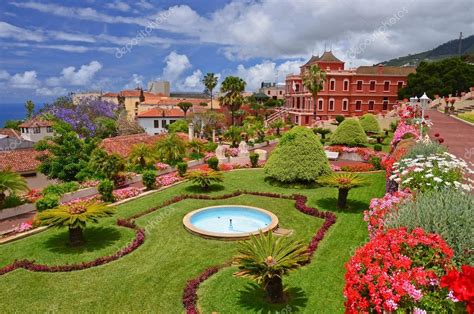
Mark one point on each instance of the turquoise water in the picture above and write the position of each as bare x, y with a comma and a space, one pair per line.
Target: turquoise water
231, 219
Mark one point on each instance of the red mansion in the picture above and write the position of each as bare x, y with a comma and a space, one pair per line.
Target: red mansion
347, 92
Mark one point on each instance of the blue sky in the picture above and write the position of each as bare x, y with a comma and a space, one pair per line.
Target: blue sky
49, 48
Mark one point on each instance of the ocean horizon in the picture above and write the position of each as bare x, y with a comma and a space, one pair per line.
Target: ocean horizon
13, 111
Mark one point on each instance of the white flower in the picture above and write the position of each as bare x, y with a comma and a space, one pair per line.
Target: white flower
438, 180
429, 175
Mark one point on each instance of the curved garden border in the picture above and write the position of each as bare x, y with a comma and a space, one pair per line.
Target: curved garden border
190, 290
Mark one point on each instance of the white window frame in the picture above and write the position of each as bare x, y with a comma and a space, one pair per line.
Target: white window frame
321, 100
330, 83
384, 90
403, 83
375, 86
355, 107
333, 104
368, 105
344, 85
361, 85
345, 100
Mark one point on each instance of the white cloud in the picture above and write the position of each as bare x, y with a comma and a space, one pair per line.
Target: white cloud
17, 33
267, 71
193, 82
135, 81
81, 77
59, 35
144, 4
176, 65
4, 75
27, 79
118, 5
54, 91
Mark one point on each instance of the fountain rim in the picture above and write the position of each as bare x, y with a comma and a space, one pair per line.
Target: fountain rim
228, 236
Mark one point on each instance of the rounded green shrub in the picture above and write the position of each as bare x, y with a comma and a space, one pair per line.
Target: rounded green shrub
369, 123
299, 157
349, 133
48, 201
149, 179
254, 159
378, 147
106, 189
339, 119
213, 163
182, 168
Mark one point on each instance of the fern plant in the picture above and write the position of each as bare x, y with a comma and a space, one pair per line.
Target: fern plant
267, 259
75, 216
205, 178
344, 182
11, 182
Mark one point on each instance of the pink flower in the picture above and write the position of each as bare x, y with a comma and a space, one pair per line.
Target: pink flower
167, 179
161, 166
126, 193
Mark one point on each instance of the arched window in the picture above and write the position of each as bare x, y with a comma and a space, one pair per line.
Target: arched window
345, 86
345, 104
371, 105
320, 104
332, 84
331, 104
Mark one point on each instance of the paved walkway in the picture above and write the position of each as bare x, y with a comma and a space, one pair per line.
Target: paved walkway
458, 136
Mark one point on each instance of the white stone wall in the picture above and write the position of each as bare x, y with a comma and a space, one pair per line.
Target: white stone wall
30, 135
149, 124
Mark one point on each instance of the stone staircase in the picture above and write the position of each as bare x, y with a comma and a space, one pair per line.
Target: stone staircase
279, 114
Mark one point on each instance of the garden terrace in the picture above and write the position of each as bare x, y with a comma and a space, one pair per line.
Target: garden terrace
157, 271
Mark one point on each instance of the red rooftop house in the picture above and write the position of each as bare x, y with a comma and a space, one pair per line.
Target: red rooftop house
347, 92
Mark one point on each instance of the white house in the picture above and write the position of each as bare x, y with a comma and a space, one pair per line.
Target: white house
36, 129
155, 120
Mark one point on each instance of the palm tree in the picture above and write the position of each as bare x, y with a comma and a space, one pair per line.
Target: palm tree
11, 182
197, 147
185, 107
171, 149
277, 124
313, 80
205, 178
210, 81
233, 134
75, 217
267, 259
344, 182
233, 87
142, 155
30, 109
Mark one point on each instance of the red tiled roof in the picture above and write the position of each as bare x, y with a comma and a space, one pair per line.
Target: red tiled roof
388, 70
159, 112
171, 101
36, 122
10, 133
123, 145
110, 95
20, 160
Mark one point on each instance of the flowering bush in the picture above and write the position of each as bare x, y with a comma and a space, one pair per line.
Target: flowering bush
431, 173
24, 226
32, 196
335, 168
167, 179
380, 207
123, 194
461, 286
95, 198
209, 155
160, 166
225, 167
404, 131
89, 184
398, 270
231, 152
358, 167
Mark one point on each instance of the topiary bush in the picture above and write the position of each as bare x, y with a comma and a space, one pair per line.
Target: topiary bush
106, 189
213, 163
349, 133
182, 168
339, 119
254, 159
299, 157
149, 179
445, 212
378, 147
369, 123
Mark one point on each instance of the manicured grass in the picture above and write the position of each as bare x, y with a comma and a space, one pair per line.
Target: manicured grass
468, 116
153, 277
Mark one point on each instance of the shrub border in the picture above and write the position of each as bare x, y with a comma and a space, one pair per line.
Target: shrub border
190, 291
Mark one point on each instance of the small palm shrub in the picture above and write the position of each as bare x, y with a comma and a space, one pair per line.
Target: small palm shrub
266, 259
254, 159
48, 201
142, 156
149, 179
339, 119
369, 123
349, 133
171, 149
11, 201
182, 168
11, 182
75, 217
299, 157
425, 149
205, 178
322, 131
344, 182
106, 189
213, 163
447, 213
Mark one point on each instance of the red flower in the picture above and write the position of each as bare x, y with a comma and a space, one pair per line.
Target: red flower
436, 135
462, 285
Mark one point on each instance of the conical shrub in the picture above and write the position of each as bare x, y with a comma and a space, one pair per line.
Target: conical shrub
349, 133
369, 123
299, 157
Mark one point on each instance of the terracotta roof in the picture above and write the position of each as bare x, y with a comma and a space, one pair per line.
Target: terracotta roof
10, 133
387, 70
328, 56
170, 101
110, 95
123, 145
20, 160
36, 122
161, 112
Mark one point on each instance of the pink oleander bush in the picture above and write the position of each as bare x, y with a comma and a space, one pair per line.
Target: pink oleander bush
123, 194
208, 156
167, 179
380, 207
404, 131
231, 152
160, 166
399, 271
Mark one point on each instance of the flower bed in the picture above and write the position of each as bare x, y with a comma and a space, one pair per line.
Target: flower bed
404, 131
167, 179
122, 194
364, 152
398, 271
160, 166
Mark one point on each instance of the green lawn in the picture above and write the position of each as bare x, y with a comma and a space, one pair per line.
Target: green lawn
153, 277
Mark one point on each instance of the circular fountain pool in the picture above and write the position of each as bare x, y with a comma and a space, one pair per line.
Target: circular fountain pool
229, 222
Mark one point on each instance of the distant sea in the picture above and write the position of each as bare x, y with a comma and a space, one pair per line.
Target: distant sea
13, 111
